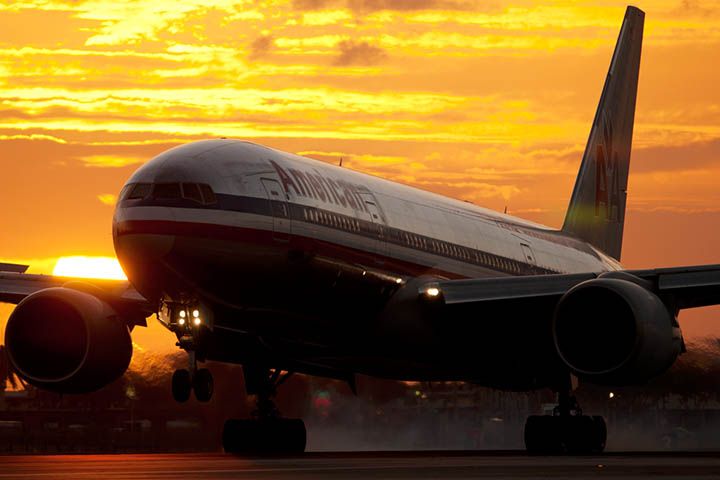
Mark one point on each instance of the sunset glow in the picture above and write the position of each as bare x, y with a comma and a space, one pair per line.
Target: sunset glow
489, 102
89, 267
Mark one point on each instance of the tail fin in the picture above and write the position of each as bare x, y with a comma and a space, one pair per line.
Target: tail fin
596, 212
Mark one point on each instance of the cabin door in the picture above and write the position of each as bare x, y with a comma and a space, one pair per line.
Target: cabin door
528, 254
278, 208
379, 227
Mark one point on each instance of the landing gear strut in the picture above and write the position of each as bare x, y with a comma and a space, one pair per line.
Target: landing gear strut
267, 432
567, 430
192, 379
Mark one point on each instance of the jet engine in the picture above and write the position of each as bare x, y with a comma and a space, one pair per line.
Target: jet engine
67, 341
614, 331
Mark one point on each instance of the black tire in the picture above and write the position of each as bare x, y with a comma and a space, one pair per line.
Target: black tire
578, 434
264, 437
542, 435
600, 434
203, 385
181, 386
585, 435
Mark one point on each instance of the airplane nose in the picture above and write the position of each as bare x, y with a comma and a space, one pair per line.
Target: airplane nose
142, 252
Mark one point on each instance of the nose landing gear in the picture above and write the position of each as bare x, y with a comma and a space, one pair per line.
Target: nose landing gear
267, 432
192, 379
567, 430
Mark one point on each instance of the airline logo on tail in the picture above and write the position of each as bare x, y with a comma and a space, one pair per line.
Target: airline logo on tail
607, 182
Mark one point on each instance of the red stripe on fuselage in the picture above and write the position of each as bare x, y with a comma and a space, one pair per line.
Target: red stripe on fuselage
350, 255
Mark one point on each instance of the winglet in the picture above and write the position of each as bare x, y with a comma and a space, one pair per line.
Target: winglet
13, 268
596, 212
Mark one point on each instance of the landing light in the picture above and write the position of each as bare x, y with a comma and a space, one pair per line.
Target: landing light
196, 313
398, 280
432, 292
181, 321
612, 395
182, 313
197, 321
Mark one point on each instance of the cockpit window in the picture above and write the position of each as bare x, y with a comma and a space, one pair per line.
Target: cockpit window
140, 190
167, 190
191, 191
124, 192
207, 193
196, 192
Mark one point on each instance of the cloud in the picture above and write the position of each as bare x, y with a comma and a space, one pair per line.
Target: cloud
112, 161
363, 6
374, 5
33, 136
359, 53
312, 4
696, 8
261, 46
674, 158
107, 199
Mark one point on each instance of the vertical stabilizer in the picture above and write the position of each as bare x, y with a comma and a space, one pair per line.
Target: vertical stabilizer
596, 212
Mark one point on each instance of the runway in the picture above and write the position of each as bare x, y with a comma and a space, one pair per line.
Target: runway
375, 465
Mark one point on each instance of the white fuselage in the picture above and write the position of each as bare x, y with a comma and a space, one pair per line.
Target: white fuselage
412, 231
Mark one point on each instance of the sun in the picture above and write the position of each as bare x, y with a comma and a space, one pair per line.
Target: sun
89, 267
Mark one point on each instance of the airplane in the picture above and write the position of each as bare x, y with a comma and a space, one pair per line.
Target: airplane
285, 264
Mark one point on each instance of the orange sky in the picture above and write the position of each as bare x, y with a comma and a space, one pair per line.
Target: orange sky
488, 101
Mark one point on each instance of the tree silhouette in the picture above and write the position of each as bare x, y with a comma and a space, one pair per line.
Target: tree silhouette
7, 374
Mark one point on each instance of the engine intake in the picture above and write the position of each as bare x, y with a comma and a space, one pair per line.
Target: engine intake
67, 341
614, 331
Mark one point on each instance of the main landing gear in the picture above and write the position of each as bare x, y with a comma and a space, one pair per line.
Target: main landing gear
266, 433
567, 430
192, 379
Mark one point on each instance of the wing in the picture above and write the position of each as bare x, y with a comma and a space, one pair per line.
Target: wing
681, 287
15, 285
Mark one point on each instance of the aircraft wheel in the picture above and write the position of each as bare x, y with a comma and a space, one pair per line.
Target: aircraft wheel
584, 434
202, 385
181, 386
579, 435
600, 434
542, 435
264, 437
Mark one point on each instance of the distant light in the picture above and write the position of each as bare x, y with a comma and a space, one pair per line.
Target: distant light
432, 292
612, 395
197, 321
196, 313
398, 280
181, 321
182, 313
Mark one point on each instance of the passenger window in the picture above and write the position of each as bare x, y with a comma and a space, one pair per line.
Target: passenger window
140, 190
191, 191
207, 193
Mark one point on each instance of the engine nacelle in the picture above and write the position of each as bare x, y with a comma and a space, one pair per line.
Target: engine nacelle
67, 341
613, 331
